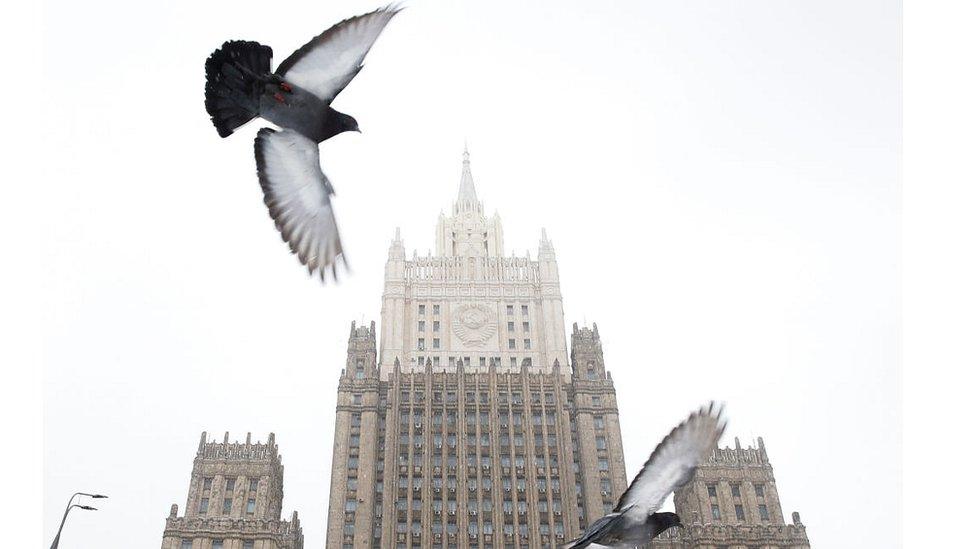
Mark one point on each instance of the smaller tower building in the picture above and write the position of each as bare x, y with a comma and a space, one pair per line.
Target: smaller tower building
234, 500
733, 502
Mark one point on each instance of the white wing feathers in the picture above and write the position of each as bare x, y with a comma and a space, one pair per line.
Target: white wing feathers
329, 62
297, 194
674, 461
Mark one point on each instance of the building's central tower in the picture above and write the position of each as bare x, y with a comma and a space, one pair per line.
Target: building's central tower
469, 304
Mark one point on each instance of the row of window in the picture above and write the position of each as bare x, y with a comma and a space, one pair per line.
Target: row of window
436, 309
471, 418
436, 345
438, 416
603, 464
487, 528
436, 326
736, 490
740, 512
225, 510
229, 484
453, 362
482, 396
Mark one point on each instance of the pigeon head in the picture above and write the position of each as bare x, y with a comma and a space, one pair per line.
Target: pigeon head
663, 521
347, 123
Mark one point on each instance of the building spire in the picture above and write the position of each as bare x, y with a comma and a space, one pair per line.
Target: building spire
467, 197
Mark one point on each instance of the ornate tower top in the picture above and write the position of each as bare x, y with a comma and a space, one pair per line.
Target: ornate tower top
468, 304
468, 232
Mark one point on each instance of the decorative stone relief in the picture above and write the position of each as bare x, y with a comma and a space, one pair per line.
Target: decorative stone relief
474, 324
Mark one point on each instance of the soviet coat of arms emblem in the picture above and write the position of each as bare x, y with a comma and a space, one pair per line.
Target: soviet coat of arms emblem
474, 324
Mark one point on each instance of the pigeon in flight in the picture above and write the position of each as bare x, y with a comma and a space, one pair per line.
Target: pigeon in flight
635, 521
297, 97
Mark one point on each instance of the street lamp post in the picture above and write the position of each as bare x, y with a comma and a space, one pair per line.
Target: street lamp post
71, 505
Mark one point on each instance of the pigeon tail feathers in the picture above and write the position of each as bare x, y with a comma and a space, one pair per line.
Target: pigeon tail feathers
236, 74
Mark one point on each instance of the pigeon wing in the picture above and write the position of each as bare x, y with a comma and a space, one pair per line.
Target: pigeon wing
332, 59
298, 196
596, 531
674, 461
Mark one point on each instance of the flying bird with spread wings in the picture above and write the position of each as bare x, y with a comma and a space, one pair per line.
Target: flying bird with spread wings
297, 97
635, 521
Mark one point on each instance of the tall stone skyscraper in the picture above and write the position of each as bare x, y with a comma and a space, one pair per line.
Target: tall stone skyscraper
468, 423
234, 500
471, 424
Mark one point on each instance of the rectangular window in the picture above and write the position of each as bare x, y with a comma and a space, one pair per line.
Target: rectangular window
437, 309
227, 503
350, 506
421, 309
603, 465
511, 326
481, 362
207, 483
249, 544
510, 310
437, 326
513, 362
760, 491
525, 309
740, 514
357, 399
763, 511
420, 344
735, 491
230, 484
511, 344
525, 326
598, 422
601, 443
217, 544
437, 343
526, 344
250, 506
421, 325
715, 513
204, 505
596, 400
186, 544
711, 491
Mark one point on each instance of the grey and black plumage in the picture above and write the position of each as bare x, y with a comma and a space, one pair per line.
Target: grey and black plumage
297, 97
635, 521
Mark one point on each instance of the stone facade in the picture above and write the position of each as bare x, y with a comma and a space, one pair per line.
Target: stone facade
234, 500
733, 503
467, 422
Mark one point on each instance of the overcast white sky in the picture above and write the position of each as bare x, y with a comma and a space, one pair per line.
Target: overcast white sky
720, 182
